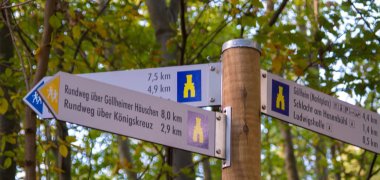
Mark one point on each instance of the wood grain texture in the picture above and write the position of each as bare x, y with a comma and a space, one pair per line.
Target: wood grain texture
241, 91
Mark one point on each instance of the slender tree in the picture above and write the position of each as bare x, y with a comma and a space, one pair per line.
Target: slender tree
9, 122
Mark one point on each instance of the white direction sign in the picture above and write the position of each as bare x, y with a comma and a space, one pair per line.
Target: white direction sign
126, 112
319, 112
196, 85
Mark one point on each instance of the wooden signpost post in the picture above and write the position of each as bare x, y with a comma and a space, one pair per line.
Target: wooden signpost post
241, 91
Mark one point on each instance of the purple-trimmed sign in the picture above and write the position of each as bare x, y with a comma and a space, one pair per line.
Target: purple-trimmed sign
198, 135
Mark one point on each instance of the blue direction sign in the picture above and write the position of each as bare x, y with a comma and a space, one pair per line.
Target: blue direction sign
34, 101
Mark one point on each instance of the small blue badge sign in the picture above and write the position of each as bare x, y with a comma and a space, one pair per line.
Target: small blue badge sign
189, 86
280, 97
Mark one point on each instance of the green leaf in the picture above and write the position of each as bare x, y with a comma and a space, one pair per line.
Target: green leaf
11, 139
55, 22
3, 106
257, 4
2, 144
63, 150
8, 72
9, 154
7, 163
68, 40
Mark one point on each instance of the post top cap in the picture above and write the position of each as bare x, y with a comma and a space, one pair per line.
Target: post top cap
234, 43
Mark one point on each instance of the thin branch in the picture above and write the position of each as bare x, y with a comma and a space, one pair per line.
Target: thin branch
365, 21
192, 165
371, 168
90, 155
20, 32
198, 18
375, 172
277, 13
16, 5
18, 52
183, 32
215, 33
148, 166
81, 39
362, 161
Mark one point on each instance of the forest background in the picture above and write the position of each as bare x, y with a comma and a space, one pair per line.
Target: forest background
330, 46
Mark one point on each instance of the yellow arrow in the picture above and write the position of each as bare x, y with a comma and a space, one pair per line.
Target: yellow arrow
50, 92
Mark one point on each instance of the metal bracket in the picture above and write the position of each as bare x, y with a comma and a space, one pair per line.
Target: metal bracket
264, 87
220, 136
228, 112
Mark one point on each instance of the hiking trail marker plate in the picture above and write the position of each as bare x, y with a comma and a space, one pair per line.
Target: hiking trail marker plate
126, 112
196, 85
319, 112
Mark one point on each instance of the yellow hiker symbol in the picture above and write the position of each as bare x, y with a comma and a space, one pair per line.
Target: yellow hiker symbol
51, 92
189, 86
280, 100
198, 131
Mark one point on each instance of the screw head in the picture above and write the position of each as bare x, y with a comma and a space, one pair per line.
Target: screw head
212, 68
218, 151
263, 107
218, 118
212, 99
264, 75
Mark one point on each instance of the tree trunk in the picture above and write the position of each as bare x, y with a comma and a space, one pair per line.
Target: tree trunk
336, 164
64, 163
270, 6
180, 160
320, 161
163, 18
290, 160
9, 123
206, 169
125, 157
30, 118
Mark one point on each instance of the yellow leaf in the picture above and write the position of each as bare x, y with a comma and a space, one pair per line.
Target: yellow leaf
297, 70
37, 53
58, 170
277, 64
70, 139
233, 2
3, 106
59, 38
76, 32
63, 150
11, 140
46, 147
68, 40
100, 29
